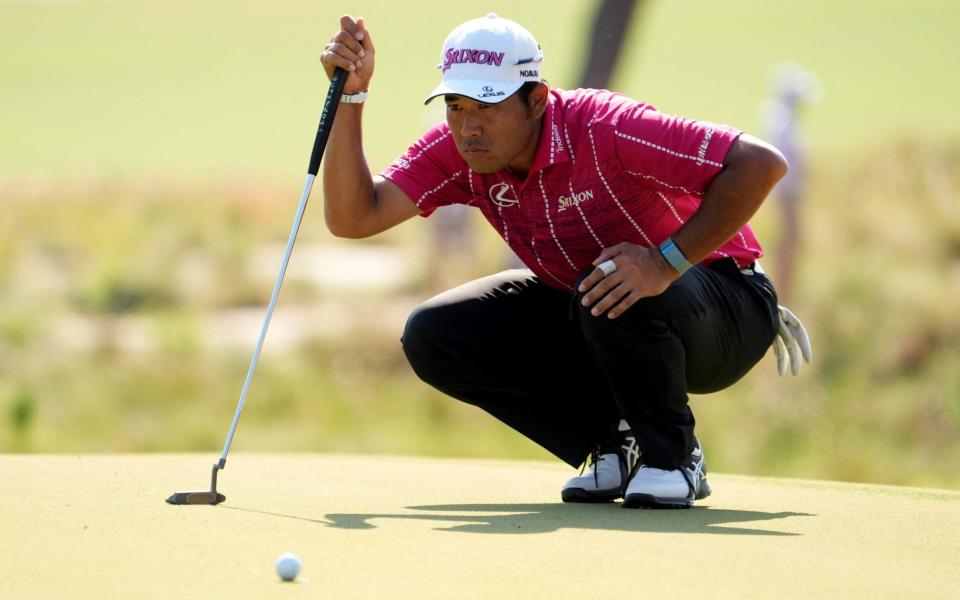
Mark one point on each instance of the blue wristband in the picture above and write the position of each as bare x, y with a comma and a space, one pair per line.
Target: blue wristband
673, 256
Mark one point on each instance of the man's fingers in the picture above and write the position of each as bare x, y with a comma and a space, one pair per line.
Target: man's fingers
338, 55
609, 300
599, 273
628, 301
596, 285
588, 282
352, 26
349, 47
365, 38
341, 51
608, 253
347, 40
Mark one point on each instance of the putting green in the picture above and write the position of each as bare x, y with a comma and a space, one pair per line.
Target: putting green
371, 527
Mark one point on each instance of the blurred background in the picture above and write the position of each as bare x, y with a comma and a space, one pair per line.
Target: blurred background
152, 155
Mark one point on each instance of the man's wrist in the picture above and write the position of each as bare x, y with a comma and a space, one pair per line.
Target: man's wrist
674, 257
354, 97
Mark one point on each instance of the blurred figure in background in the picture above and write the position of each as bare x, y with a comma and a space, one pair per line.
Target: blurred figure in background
605, 38
792, 89
610, 25
453, 238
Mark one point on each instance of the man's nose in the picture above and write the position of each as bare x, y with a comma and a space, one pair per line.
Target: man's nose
470, 128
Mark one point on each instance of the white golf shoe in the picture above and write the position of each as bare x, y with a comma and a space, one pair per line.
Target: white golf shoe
610, 469
677, 488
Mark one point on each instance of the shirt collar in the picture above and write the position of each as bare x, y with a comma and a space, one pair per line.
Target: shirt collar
552, 147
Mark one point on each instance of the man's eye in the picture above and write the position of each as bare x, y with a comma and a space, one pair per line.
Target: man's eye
453, 107
484, 106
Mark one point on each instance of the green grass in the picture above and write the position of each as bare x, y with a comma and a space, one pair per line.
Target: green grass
880, 403
438, 529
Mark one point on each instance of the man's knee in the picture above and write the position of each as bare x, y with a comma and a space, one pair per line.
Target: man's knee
420, 341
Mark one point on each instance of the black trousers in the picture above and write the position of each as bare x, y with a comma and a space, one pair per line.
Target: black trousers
533, 357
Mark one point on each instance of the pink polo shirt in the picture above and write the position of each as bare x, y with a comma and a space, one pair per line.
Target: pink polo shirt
607, 170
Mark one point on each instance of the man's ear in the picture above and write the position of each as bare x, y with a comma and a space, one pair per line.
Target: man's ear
537, 101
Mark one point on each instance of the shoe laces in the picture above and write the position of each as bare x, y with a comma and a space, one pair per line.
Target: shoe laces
624, 447
594, 461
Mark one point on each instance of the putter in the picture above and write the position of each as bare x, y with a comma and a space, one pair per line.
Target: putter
323, 132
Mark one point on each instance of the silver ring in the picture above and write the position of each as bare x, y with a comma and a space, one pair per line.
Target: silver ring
607, 267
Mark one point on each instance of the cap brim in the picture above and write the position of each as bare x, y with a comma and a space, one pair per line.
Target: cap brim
485, 92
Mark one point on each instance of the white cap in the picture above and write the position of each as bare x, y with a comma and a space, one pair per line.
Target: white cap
487, 60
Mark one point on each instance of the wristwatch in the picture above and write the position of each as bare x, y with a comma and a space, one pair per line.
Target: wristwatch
355, 98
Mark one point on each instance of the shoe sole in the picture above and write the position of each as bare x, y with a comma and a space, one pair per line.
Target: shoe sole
580, 495
651, 501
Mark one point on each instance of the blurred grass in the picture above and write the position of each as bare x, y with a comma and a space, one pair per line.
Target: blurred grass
880, 403
877, 290
151, 151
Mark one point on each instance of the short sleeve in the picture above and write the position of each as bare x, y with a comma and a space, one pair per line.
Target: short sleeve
669, 152
431, 172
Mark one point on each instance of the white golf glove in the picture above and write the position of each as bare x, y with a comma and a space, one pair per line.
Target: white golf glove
792, 341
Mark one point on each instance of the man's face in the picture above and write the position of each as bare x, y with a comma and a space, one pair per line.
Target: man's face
492, 137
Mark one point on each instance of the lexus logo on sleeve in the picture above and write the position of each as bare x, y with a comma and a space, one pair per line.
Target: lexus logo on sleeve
499, 193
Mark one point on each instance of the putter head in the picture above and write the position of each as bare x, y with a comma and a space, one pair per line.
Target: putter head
197, 497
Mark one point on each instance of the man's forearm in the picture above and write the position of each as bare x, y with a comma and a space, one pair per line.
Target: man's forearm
752, 169
348, 191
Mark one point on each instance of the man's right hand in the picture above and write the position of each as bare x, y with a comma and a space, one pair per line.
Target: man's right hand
352, 50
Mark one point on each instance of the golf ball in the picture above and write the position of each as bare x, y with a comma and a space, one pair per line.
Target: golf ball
288, 566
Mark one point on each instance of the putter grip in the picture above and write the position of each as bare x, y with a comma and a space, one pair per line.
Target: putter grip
326, 118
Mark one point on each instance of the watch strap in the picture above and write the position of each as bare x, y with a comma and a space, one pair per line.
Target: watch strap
674, 256
355, 98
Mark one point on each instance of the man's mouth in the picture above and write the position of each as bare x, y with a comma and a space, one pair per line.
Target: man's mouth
474, 150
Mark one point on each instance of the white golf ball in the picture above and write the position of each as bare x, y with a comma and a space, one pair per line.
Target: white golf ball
288, 566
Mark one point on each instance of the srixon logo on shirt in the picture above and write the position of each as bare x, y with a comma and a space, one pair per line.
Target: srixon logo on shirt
565, 202
458, 56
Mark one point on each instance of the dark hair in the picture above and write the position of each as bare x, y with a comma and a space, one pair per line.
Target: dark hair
527, 88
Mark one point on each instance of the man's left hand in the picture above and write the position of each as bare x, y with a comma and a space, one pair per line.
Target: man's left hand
624, 274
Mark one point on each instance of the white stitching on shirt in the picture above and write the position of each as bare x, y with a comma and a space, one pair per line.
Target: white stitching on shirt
553, 232
672, 209
428, 146
704, 145
649, 144
554, 142
506, 231
584, 217
664, 183
566, 134
596, 161
442, 183
533, 250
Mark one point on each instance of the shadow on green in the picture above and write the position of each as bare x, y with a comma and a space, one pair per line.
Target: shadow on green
546, 518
